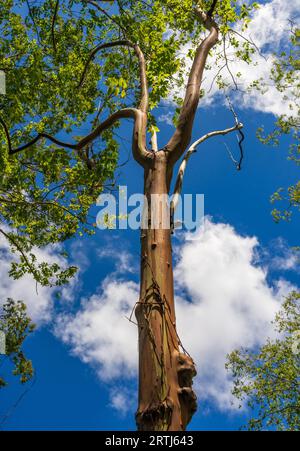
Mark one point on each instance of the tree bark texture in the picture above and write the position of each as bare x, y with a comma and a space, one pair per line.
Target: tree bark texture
166, 399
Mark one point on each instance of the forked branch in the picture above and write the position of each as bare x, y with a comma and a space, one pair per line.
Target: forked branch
140, 152
182, 136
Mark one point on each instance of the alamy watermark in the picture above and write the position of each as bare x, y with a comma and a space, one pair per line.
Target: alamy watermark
157, 211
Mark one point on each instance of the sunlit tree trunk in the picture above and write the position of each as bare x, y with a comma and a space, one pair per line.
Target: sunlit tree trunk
166, 399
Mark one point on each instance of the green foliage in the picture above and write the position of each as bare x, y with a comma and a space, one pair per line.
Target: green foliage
285, 75
46, 191
16, 325
268, 379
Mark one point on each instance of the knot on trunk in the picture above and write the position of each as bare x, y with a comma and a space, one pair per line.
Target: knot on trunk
188, 400
157, 417
186, 370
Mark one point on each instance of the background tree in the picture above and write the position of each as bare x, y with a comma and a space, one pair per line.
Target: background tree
268, 378
73, 64
16, 325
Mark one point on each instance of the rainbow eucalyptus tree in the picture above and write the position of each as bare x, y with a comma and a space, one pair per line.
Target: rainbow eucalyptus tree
75, 63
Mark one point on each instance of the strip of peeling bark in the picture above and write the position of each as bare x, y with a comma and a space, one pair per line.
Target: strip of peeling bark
154, 143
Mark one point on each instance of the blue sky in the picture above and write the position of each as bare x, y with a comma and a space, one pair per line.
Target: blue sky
69, 393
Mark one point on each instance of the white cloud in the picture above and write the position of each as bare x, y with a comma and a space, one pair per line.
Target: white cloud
167, 118
270, 31
270, 24
122, 259
223, 302
230, 304
101, 334
284, 258
122, 400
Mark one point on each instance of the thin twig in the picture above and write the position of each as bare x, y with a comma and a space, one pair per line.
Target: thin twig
191, 150
227, 65
240, 139
53, 24
97, 49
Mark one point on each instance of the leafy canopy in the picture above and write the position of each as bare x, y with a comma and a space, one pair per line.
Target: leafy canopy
60, 83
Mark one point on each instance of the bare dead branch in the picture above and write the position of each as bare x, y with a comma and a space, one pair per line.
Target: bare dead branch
237, 163
182, 136
232, 110
192, 149
250, 41
215, 77
240, 139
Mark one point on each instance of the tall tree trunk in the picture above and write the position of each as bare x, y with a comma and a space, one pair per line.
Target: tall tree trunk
166, 399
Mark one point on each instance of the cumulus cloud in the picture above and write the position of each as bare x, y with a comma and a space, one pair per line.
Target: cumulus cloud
269, 30
223, 302
100, 332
